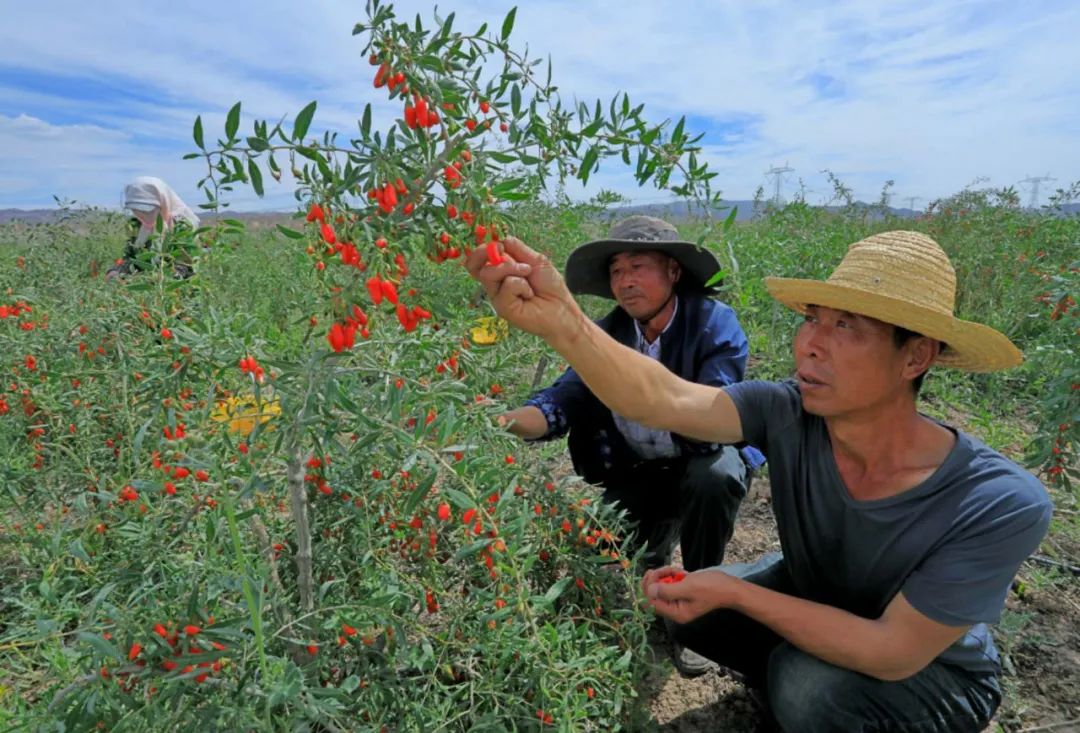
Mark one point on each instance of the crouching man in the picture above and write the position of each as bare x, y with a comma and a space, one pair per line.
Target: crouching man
900, 534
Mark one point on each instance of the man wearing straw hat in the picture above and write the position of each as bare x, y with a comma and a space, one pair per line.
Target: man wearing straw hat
900, 535
670, 486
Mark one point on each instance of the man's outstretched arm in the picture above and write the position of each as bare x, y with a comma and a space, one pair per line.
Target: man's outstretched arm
528, 292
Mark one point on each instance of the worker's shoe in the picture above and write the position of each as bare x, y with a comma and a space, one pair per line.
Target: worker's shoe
690, 663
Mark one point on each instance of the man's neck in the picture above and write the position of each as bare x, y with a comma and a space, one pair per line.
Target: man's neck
888, 450
652, 328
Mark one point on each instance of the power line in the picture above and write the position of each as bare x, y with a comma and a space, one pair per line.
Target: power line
911, 201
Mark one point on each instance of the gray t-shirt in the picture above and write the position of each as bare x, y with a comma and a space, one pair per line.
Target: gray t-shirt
952, 544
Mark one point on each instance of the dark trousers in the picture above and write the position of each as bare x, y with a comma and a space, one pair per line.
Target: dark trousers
808, 695
693, 500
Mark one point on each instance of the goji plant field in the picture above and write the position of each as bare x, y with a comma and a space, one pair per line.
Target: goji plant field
214, 517
274, 495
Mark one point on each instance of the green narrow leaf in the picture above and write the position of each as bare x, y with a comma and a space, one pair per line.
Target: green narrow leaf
729, 222
676, 135
290, 233
303, 121
232, 121
516, 196
471, 548
557, 589
197, 133
587, 164
258, 144
420, 492
140, 436
105, 648
75, 547
515, 100
447, 25
256, 177
365, 122
508, 24
500, 190
99, 598
458, 499
593, 128
326, 587
717, 278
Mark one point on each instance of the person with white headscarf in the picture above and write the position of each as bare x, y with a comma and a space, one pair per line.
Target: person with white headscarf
150, 198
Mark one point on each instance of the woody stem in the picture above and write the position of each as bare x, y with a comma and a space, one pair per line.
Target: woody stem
298, 500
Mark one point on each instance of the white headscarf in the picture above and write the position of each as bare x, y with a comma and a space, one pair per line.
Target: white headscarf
146, 192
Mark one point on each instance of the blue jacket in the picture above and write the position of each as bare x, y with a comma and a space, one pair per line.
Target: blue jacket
704, 344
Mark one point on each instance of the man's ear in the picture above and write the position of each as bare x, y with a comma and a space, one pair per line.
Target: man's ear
674, 269
922, 352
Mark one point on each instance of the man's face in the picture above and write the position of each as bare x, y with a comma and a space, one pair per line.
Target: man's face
847, 363
642, 282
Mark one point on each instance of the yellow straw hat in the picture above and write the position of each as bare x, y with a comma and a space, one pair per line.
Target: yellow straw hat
903, 278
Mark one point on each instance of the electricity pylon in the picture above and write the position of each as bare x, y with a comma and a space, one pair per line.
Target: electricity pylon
1034, 182
777, 173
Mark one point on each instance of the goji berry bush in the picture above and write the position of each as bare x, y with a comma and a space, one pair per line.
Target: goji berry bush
285, 502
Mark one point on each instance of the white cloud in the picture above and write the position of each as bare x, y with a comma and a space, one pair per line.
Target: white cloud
929, 94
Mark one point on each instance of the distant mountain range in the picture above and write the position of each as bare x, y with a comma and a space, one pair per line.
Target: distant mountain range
674, 211
680, 210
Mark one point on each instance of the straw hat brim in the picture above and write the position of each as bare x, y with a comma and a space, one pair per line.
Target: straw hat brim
586, 268
971, 346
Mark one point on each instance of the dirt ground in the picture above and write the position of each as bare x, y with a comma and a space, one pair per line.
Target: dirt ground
1039, 638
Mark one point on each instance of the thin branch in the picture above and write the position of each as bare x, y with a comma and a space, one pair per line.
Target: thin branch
1050, 726
1043, 560
267, 550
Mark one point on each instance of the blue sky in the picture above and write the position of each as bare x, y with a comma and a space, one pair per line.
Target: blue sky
931, 94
